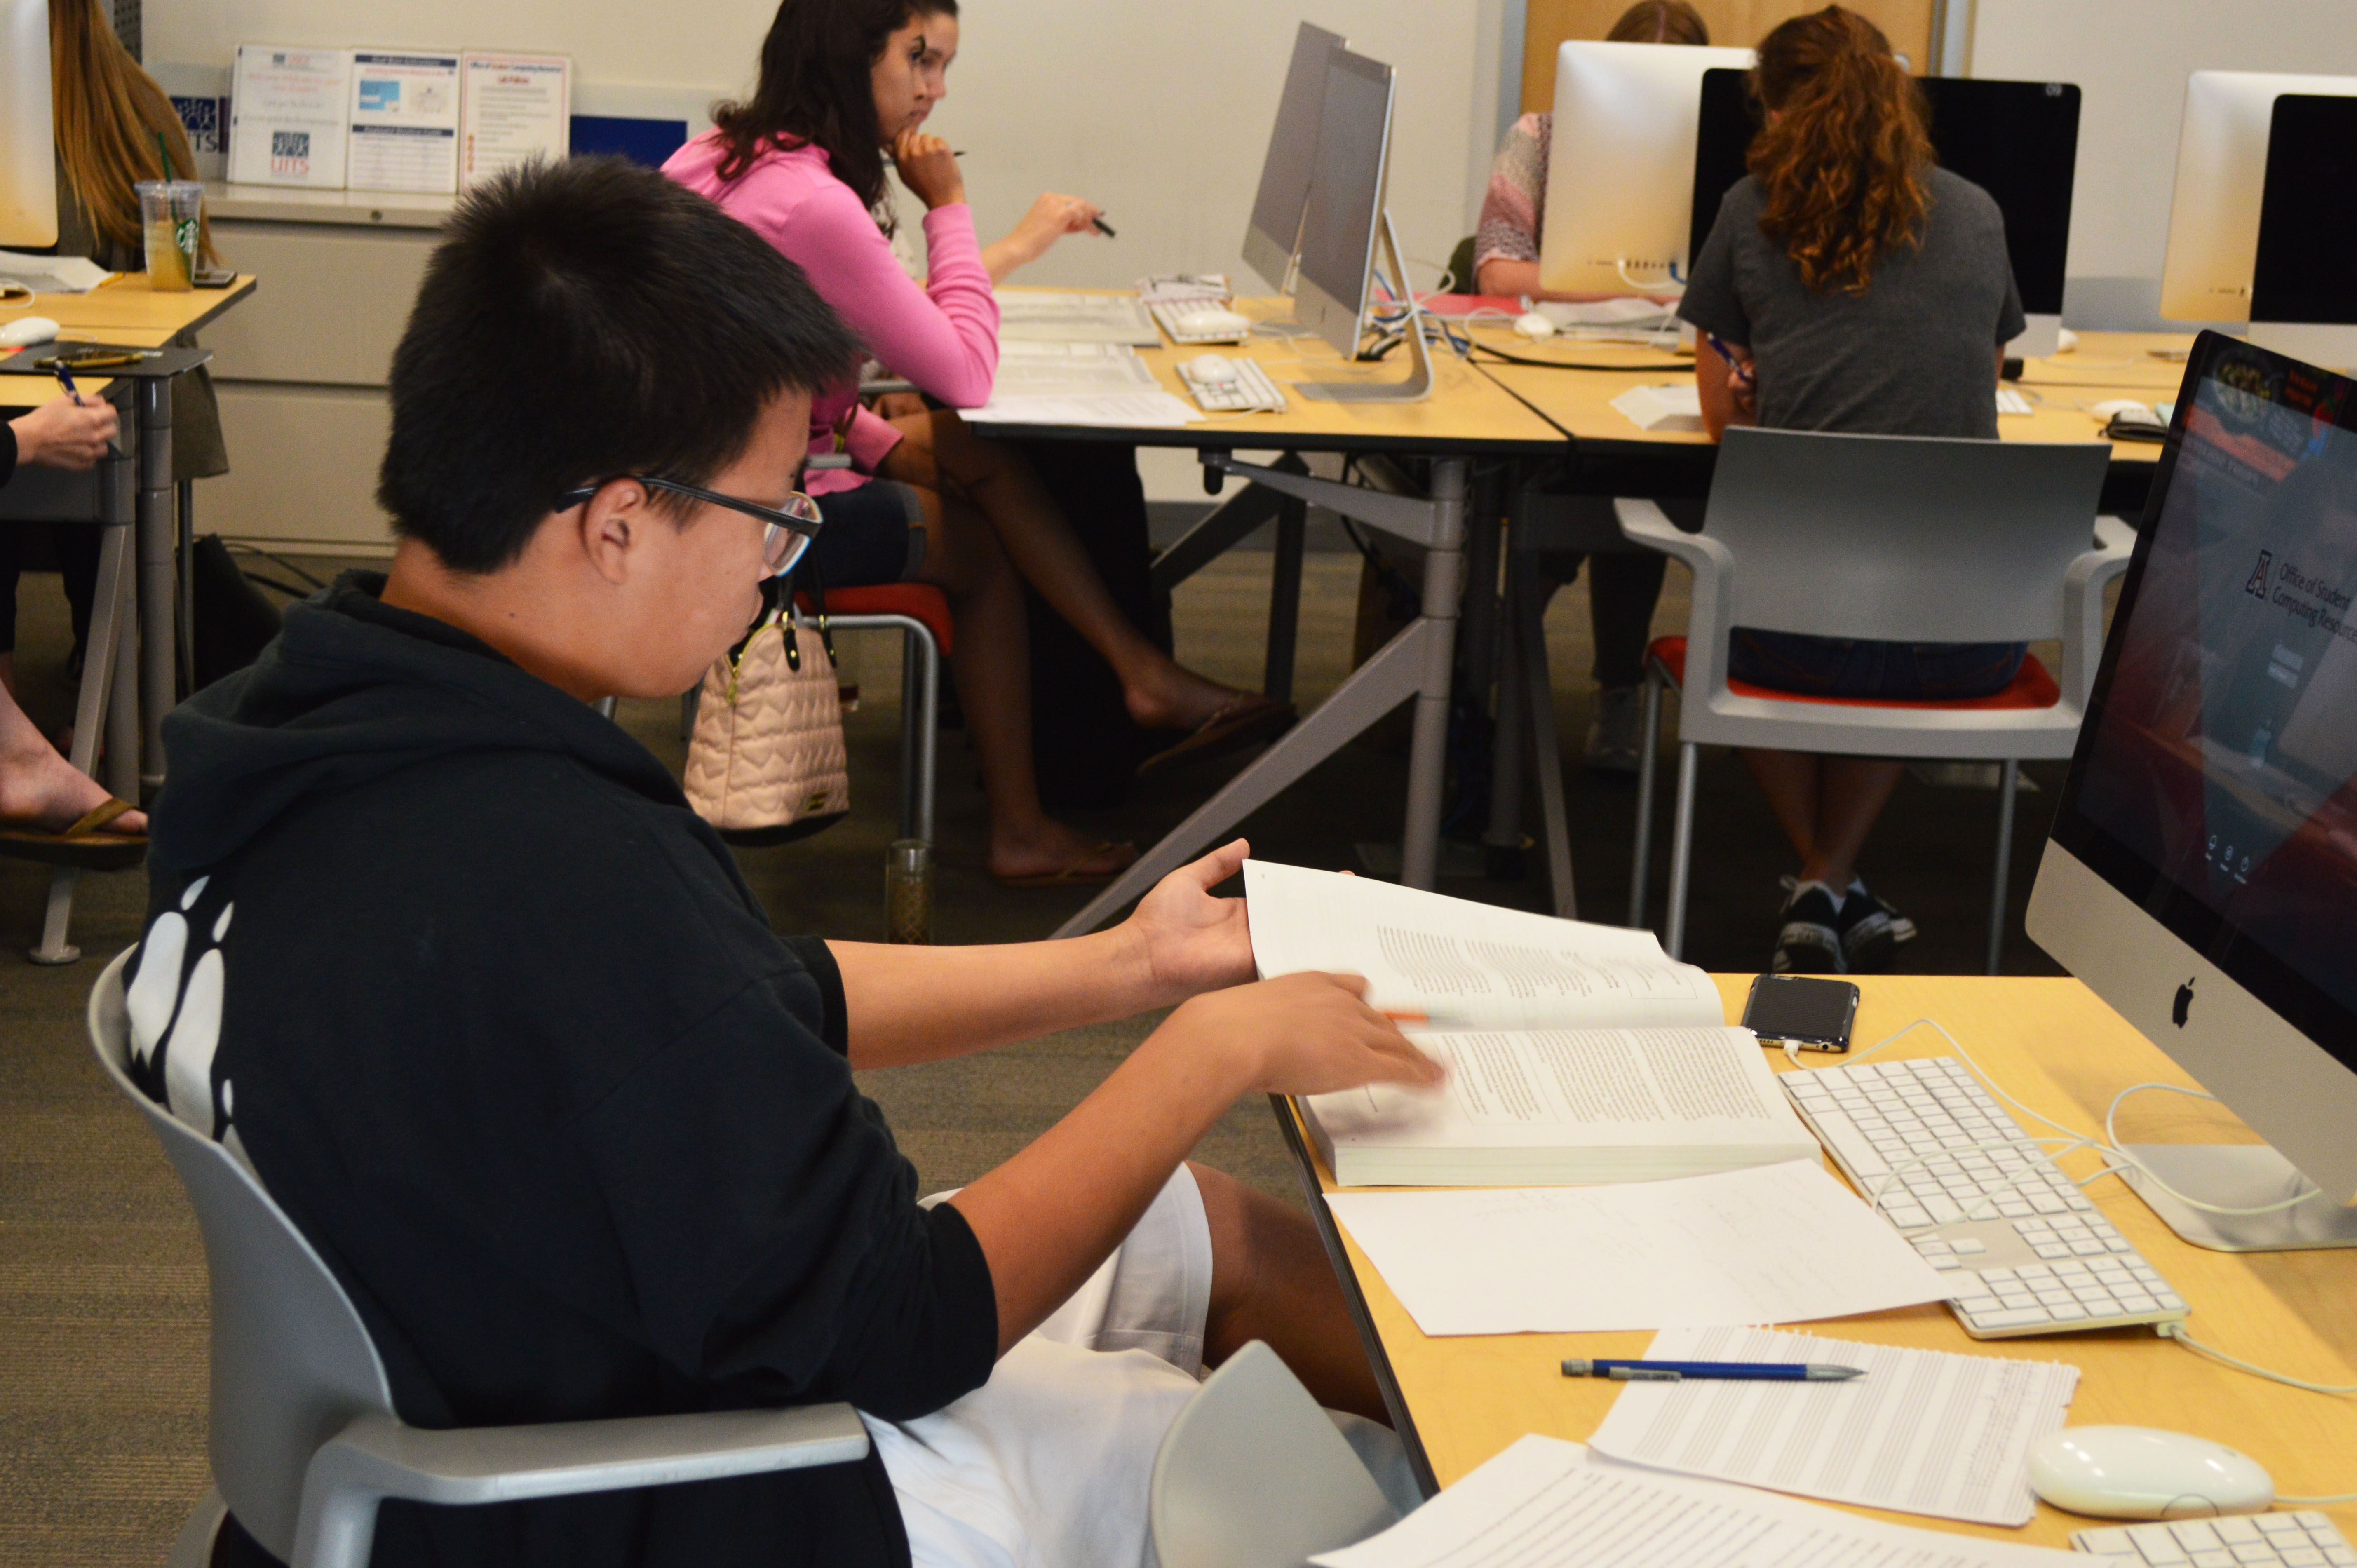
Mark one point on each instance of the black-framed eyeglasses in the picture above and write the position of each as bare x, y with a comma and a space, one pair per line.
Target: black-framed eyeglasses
790, 529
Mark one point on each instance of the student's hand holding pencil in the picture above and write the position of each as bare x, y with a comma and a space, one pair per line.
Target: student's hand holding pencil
928, 168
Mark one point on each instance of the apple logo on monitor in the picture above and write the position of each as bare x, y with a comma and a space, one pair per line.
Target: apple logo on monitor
2183, 1004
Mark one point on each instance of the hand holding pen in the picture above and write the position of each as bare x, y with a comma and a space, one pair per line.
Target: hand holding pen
71, 433
1743, 382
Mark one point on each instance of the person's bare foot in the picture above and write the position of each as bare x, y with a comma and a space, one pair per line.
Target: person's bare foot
40, 788
1053, 853
1175, 697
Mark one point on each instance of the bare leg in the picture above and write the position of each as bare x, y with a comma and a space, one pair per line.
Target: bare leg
40, 788
940, 451
992, 667
1853, 793
1270, 1280
1827, 806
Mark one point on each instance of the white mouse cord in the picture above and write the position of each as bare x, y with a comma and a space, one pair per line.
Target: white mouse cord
2111, 1144
2176, 1331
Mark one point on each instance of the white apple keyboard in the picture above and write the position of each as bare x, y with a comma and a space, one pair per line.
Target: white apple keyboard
1223, 385
2303, 1539
2011, 401
2029, 1253
1200, 321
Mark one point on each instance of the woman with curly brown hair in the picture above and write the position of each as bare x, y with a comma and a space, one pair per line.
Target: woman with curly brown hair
1848, 285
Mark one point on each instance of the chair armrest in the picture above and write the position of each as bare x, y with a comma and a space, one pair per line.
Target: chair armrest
1710, 621
377, 1457
2083, 604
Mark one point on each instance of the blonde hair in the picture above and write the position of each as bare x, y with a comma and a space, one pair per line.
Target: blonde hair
108, 114
1660, 22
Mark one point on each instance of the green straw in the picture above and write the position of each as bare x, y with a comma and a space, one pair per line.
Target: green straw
163, 154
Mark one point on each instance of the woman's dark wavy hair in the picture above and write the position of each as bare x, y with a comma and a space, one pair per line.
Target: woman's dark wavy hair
814, 88
1843, 163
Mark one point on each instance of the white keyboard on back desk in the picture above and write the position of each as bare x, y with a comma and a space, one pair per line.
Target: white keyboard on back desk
1251, 392
1174, 318
2036, 1257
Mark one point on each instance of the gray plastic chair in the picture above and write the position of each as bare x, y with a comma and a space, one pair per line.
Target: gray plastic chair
304, 1440
1254, 1474
1893, 538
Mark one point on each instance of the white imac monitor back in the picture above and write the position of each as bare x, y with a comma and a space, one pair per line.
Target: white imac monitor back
2222, 163
1274, 235
1620, 172
2201, 875
1346, 200
28, 179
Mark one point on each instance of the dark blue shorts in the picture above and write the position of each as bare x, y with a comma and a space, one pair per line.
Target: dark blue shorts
1845, 667
870, 535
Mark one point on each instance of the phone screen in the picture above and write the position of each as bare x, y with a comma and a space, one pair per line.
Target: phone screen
1803, 1009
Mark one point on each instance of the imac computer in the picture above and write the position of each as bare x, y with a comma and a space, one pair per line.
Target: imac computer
2017, 140
2213, 211
29, 187
1342, 226
2304, 269
1620, 165
1273, 238
2202, 875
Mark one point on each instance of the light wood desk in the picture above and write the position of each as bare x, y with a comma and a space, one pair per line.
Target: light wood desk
2050, 1044
1579, 401
130, 678
1465, 416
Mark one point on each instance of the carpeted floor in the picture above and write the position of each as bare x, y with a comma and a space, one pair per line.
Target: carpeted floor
102, 1278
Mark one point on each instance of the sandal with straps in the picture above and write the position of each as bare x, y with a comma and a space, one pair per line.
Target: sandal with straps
84, 847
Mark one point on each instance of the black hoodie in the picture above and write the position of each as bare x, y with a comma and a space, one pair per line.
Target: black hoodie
499, 1026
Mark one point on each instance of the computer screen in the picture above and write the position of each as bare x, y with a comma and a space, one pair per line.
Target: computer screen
29, 189
2202, 875
1346, 198
2213, 208
2017, 140
1275, 233
2305, 265
1623, 141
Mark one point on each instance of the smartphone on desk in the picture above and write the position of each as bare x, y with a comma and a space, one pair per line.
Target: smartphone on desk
1813, 1014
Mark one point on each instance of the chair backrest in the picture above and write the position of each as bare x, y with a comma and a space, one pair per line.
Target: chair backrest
1902, 538
1253, 1474
292, 1363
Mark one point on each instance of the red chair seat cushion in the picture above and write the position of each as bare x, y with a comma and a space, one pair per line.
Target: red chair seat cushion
2032, 686
918, 601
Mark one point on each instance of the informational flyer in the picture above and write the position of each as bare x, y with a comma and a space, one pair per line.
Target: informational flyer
288, 110
516, 108
404, 119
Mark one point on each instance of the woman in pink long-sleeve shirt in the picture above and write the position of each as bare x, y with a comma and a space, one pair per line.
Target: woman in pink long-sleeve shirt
802, 163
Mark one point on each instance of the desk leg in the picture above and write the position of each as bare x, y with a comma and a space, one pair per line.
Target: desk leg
99, 710
1284, 597
1443, 586
184, 535
1527, 602
158, 588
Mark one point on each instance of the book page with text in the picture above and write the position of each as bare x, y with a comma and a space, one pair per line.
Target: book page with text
1468, 965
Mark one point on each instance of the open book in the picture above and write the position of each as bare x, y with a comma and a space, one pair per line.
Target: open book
1577, 1053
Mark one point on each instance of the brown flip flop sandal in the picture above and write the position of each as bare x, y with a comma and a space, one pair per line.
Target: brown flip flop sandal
1074, 875
1245, 719
81, 846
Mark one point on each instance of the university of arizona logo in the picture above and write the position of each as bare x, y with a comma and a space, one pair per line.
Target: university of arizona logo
175, 1003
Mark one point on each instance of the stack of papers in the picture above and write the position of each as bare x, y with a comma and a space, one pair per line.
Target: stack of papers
1069, 316
1542, 1504
52, 274
1778, 1244
1922, 1431
1050, 382
1677, 407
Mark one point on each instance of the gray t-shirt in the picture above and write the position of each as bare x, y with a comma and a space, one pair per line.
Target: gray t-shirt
1914, 355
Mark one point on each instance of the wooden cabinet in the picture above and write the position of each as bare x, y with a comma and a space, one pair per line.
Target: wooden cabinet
1911, 25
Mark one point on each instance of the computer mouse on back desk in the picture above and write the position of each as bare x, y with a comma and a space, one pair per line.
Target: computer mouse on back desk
1210, 369
2136, 1472
27, 330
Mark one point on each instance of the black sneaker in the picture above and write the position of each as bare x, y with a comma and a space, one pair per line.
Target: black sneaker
1811, 942
1870, 933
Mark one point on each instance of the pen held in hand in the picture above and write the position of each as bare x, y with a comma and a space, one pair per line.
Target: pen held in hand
1679, 1371
1104, 228
1410, 1018
65, 380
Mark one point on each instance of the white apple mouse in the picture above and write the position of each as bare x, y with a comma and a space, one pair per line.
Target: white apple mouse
27, 330
1534, 326
1210, 369
2136, 1472
2111, 407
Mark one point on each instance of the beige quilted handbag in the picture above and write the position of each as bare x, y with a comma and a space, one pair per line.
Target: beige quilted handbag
767, 764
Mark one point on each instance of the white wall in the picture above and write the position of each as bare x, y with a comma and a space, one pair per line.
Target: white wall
1159, 112
2130, 60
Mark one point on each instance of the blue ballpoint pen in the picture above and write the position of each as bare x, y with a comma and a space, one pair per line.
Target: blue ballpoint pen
1678, 1371
65, 380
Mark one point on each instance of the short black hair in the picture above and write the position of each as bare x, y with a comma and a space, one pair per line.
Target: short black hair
582, 320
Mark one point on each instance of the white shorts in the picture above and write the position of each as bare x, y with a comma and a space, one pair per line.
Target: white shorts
1049, 1463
